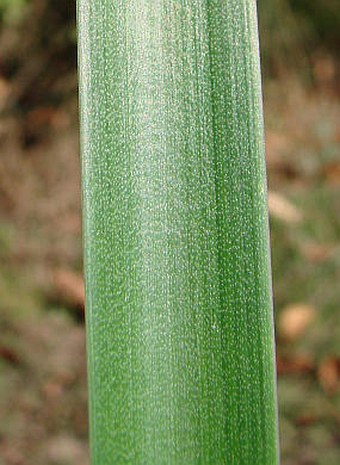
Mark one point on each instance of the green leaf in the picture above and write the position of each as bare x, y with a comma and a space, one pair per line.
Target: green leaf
179, 315
12, 11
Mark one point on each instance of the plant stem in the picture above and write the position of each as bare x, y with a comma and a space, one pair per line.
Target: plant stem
179, 314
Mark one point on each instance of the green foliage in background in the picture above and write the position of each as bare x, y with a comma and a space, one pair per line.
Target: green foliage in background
290, 30
12, 11
281, 37
323, 20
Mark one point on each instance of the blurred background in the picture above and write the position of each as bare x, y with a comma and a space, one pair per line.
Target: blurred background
43, 394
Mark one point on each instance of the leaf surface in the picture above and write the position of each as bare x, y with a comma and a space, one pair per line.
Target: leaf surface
179, 314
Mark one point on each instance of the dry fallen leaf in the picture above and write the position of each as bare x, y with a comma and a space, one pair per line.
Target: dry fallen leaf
4, 91
294, 365
306, 419
329, 374
52, 390
316, 253
332, 173
66, 449
282, 208
69, 287
277, 143
9, 355
295, 319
